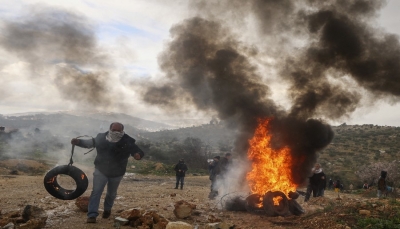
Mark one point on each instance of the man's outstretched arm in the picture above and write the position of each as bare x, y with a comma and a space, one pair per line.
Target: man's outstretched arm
89, 143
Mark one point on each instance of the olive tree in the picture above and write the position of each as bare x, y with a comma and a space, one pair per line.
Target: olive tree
371, 173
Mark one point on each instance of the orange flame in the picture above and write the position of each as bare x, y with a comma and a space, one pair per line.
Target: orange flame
259, 204
270, 168
51, 180
277, 199
82, 176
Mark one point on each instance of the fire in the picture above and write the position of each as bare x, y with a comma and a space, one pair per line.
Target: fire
270, 168
277, 199
51, 180
82, 176
259, 204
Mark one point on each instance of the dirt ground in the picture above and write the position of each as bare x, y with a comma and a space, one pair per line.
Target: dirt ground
158, 193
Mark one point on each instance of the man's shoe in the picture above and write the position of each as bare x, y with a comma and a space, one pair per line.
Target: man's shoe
91, 220
176, 187
106, 214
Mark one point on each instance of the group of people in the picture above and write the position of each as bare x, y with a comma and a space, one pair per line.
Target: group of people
337, 185
114, 148
317, 183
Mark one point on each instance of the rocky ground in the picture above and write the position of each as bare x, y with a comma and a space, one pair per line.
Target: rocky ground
157, 193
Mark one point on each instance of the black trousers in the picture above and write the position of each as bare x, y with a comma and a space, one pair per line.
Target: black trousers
314, 189
181, 180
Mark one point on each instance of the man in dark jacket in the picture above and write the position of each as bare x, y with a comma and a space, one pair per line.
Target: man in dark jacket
316, 182
180, 170
225, 163
224, 181
114, 147
214, 169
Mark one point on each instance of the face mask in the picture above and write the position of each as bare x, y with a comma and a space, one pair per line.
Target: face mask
114, 136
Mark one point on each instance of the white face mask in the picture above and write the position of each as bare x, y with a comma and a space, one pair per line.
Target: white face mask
114, 136
318, 170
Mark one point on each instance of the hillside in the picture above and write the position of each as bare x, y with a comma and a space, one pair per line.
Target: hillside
353, 146
210, 134
358, 145
78, 122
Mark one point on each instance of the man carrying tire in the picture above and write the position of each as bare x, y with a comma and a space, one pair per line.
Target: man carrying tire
114, 147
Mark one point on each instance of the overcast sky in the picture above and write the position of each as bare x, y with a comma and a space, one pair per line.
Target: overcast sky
123, 40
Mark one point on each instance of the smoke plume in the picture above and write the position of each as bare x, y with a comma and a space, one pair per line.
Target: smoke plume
318, 48
63, 44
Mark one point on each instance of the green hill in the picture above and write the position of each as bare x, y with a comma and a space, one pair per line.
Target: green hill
355, 146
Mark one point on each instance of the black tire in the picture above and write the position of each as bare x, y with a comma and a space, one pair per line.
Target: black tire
293, 195
282, 209
254, 204
295, 208
52, 186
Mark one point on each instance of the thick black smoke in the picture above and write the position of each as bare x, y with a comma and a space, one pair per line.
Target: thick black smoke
208, 66
206, 69
304, 138
48, 38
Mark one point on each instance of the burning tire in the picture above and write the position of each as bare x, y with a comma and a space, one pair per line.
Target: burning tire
52, 186
276, 204
254, 204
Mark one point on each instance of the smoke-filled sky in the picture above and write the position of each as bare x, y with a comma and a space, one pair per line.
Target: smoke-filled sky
336, 60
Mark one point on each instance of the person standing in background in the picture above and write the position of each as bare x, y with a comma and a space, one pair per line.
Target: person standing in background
180, 170
214, 169
316, 182
382, 187
338, 186
223, 179
330, 185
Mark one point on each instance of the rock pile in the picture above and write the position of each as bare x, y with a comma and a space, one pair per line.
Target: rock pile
82, 203
146, 219
140, 218
183, 209
32, 217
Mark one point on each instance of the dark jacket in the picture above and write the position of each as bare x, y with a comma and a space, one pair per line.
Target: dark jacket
317, 181
338, 184
182, 167
224, 165
112, 157
214, 169
323, 183
382, 184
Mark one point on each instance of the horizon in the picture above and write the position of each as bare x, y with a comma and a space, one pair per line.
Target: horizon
170, 122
